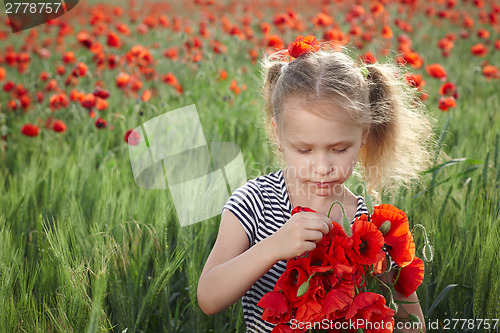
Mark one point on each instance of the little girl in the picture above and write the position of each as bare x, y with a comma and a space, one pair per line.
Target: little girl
324, 112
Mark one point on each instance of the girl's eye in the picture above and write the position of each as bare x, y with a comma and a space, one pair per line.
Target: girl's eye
303, 151
341, 150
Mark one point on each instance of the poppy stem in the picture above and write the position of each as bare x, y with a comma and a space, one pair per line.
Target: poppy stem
346, 224
427, 245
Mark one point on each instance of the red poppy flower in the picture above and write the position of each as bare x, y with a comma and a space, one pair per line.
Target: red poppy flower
369, 58
59, 126
415, 80
398, 239
132, 137
368, 242
68, 57
311, 310
370, 308
30, 130
274, 41
445, 103
89, 101
410, 277
338, 300
448, 89
479, 50
387, 32
101, 104
413, 59
491, 72
146, 95
297, 272
100, 92
302, 45
301, 209
113, 40
101, 123
122, 79
437, 71
276, 308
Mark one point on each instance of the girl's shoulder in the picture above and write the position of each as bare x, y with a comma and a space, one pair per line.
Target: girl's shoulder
271, 183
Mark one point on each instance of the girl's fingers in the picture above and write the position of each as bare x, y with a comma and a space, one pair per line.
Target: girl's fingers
313, 235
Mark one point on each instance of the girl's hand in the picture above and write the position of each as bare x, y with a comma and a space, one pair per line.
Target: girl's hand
299, 234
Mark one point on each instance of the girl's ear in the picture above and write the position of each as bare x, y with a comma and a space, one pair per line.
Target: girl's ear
276, 134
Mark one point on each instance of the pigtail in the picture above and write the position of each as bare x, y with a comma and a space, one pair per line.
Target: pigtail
397, 146
271, 71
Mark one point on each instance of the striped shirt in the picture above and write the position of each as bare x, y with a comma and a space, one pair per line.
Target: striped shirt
262, 206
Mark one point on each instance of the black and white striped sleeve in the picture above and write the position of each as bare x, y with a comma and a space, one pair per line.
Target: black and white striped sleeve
247, 205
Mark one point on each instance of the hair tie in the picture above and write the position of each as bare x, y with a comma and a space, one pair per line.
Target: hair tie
364, 71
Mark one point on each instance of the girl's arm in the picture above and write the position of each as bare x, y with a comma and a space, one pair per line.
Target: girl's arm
404, 309
232, 267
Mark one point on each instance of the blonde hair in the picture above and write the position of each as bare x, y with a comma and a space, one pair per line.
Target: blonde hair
377, 96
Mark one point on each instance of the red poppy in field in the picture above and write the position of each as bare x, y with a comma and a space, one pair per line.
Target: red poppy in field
322, 20
44, 76
59, 126
2, 73
387, 32
369, 307
368, 242
170, 79
274, 41
146, 95
101, 104
68, 57
101, 123
491, 72
222, 75
113, 40
415, 80
276, 308
89, 101
369, 58
101, 92
85, 39
80, 69
448, 89
445, 103
30, 130
122, 80
8, 86
302, 45
171, 53
437, 71
413, 59
483, 33
123, 29
479, 50
132, 137
394, 225
57, 101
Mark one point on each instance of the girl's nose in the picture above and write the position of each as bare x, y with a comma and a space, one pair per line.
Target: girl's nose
322, 165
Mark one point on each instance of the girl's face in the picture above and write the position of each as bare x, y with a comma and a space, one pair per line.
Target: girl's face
321, 152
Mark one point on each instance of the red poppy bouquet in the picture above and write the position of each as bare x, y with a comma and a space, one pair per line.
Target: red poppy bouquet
331, 287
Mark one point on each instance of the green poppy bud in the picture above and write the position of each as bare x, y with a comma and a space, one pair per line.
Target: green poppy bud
385, 227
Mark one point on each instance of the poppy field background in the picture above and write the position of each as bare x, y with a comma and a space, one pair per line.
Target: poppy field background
84, 249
